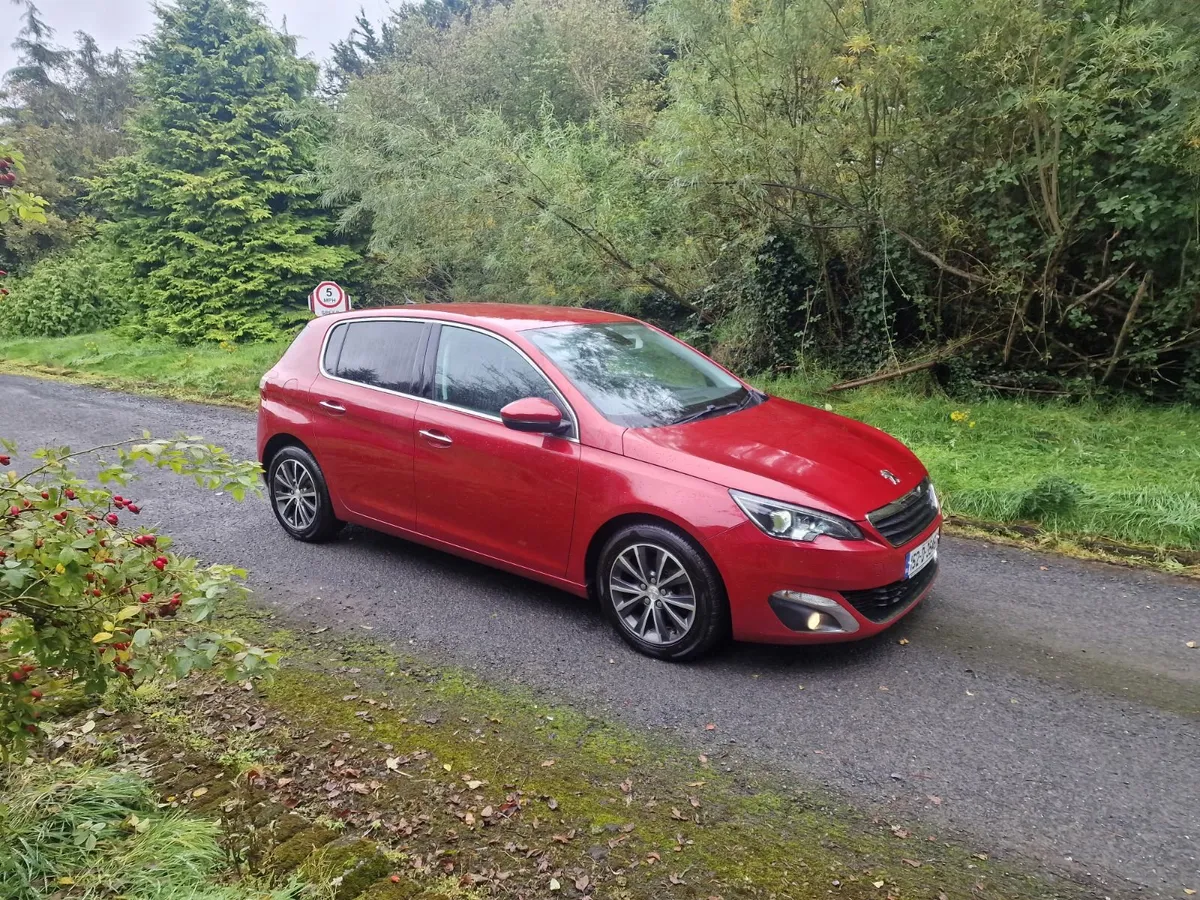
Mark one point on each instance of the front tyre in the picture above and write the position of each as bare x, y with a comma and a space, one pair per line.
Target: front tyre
299, 496
662, 592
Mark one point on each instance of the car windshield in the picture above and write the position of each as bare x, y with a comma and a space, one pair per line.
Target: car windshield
636, 376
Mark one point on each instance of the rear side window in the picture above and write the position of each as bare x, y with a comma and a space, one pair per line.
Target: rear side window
478, 372
375, 353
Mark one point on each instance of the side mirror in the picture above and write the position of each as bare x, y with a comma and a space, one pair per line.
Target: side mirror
533, 414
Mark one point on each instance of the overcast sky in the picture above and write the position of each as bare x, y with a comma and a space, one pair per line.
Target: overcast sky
317, 23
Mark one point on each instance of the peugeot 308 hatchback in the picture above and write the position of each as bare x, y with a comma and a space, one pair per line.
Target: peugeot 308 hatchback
598, 454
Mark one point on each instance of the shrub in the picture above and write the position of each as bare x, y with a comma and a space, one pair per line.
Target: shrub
84, 596
79, 290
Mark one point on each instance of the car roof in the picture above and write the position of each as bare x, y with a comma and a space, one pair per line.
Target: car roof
497, 316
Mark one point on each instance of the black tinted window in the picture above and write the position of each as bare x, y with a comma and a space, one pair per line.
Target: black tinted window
333, 349
381, 354
484, 374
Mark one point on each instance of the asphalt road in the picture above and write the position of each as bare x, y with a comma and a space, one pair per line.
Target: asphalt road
1051, 706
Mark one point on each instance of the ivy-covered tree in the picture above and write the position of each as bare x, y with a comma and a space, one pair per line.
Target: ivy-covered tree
224, 238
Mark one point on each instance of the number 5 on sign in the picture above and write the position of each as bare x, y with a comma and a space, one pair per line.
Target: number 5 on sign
328, 297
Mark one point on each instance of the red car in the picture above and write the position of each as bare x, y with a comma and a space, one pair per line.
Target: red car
598, 454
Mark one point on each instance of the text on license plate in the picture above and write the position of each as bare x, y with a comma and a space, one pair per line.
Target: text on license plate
921, 556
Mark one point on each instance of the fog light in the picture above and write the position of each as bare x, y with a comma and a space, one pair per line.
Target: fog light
813, 613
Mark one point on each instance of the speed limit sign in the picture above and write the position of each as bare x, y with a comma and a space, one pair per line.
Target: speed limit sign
328, 297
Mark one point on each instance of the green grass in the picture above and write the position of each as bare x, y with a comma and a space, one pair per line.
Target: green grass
1128, 472
81, 832
207, 373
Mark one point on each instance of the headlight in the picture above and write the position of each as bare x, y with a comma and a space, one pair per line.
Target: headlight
937, 502
794, 523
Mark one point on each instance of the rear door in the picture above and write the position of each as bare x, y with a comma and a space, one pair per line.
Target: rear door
483, 486
365, 405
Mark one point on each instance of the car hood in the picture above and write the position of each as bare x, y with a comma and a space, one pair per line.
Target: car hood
786, 451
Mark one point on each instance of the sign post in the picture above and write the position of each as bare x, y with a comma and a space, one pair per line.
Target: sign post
328, 297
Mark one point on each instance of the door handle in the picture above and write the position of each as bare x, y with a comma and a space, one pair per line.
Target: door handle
436, 437
333, 407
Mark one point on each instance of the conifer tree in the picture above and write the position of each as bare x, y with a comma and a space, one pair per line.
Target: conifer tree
225, 239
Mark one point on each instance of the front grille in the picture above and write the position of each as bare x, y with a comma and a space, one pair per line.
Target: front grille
902, 520
882, 603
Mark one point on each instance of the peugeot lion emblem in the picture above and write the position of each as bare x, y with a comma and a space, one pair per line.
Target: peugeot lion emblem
889, 476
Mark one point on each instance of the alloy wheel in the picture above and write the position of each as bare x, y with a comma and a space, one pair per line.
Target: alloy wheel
652, 594
295, 494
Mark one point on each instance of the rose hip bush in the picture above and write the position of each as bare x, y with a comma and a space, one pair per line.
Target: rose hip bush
87, 597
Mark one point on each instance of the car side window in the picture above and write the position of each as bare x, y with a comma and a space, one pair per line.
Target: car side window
484, 374
377, 353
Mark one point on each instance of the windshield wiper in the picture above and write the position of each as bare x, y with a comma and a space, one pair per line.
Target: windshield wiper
714, 408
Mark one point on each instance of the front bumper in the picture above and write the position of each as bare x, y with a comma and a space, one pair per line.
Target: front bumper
858, 586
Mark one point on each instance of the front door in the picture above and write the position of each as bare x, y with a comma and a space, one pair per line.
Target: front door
365, 406
480, 485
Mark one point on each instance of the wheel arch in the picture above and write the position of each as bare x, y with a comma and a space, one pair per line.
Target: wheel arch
276, 443
592, 556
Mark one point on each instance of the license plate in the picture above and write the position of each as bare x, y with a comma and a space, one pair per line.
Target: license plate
921, 556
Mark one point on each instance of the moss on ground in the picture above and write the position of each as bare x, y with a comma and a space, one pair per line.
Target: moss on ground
386, 890
345, 867
405, 890
288, 856
669, 822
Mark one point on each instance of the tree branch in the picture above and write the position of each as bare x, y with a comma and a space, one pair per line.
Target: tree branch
933, 257
1126, 326
906, 237
1106, 284
603, 247
884, 376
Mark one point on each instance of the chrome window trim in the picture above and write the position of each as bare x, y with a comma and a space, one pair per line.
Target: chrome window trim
445, 324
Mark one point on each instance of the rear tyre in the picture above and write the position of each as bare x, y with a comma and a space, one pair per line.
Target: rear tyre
299, 496
662, 593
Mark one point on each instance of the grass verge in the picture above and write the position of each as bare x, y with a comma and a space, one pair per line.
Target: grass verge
208, 373
515, 796
1079, 472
